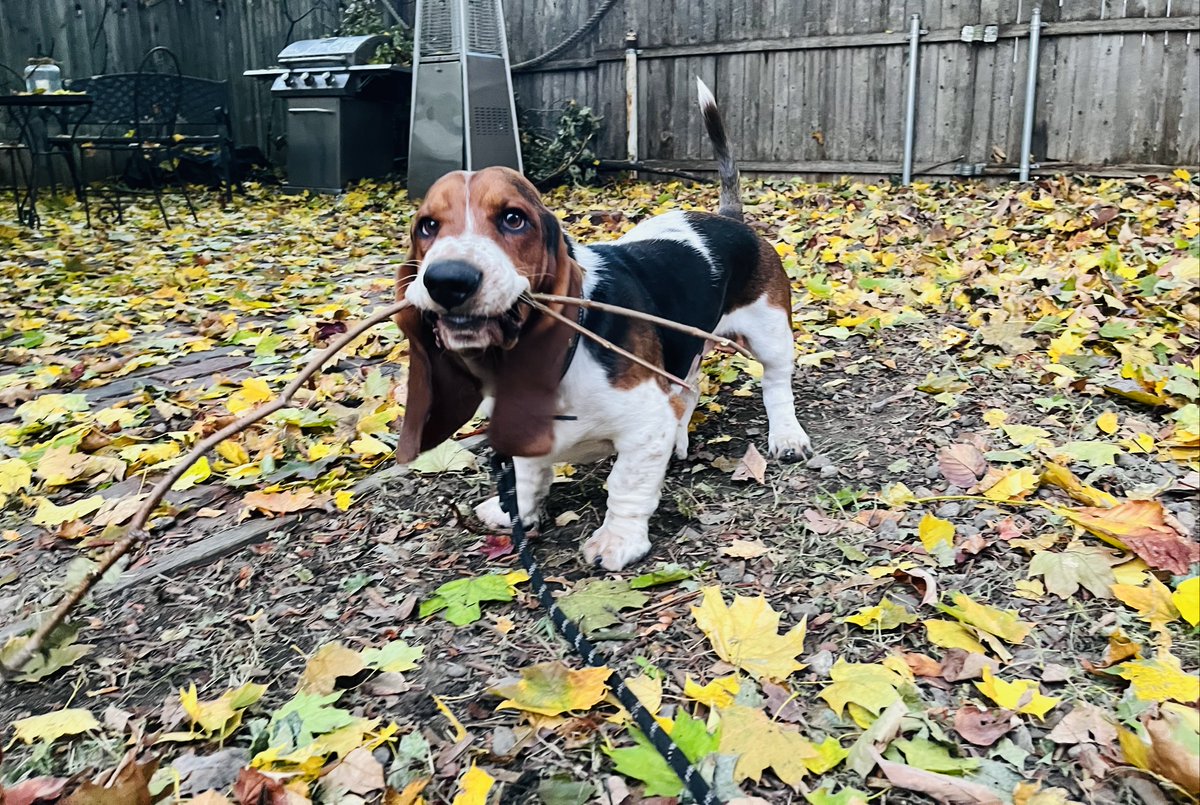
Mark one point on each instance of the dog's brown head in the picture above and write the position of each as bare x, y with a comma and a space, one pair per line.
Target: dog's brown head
479, 242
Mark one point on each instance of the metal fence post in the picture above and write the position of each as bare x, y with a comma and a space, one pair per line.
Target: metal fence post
910, 113
1035, 35
631, 97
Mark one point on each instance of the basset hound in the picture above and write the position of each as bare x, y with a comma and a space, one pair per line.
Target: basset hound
482, 239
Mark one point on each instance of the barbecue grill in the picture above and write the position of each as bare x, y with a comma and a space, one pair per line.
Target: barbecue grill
341, 110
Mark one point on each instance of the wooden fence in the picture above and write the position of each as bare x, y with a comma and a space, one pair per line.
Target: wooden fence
807, 86
819, 86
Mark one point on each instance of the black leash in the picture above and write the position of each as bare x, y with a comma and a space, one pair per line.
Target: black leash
506, 480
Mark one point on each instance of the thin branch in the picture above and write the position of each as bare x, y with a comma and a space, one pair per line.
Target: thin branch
604, 342
637, 314
137, 527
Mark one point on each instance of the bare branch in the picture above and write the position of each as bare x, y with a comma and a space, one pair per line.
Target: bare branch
137, 527
604, 342
637, 314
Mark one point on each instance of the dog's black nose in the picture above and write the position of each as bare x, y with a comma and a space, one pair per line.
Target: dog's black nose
451, 282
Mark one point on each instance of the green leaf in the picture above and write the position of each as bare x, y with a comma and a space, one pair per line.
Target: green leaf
313, 713
1097, 454
664, 575
376, 385
594, 604
1117, 328
446, 457
460, 598
562, 790
847, 796
1078, 566
396, 656
925, 754
643, 762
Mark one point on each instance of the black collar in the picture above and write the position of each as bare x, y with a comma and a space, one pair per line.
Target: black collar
573, 345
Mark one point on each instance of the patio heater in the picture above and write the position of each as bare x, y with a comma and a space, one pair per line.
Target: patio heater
463, 114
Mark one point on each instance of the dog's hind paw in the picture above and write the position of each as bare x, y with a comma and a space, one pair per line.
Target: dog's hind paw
789, 444
613, 547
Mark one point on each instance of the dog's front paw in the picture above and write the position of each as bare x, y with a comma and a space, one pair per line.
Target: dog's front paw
613, 546
495, 518
789, 444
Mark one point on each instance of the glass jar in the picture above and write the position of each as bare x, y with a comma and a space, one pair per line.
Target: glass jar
43, 75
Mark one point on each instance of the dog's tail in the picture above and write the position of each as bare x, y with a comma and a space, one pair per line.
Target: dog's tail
731, 196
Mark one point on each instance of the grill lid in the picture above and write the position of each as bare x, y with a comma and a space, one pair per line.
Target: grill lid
332, 51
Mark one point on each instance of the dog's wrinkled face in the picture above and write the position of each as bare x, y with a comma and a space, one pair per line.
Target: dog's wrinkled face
482, 239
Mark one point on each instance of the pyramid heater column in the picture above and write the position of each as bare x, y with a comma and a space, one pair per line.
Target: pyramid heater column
463, 113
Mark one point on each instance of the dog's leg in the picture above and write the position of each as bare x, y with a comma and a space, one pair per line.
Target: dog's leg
534, 476
634, 486
767, 329
687, 400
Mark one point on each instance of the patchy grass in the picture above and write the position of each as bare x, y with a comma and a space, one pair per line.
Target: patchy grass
1016, 363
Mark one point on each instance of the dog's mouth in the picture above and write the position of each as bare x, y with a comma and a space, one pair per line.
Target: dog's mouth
461, 333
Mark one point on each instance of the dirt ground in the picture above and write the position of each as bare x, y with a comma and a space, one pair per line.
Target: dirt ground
876, 411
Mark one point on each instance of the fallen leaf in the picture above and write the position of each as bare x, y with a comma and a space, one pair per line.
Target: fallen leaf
255, 788
1159, 679
868, 685
935, 533
459, 600
752, 465
35, 790
746, 634
49, 727
394, 657
1074, 567
595, 604
983, 727
760, 743
1175, 746
718, 693
885, 616
1058, 475
1086, 723
1014, 485
356, 773
1108, 422
1095, 454
1187, 600
448, 456
922, 753
326, 665
1139, 526
949, 634
744, 549
48, 514
999, 622
552, 688
281, 502
1021, 695
962, 464
941, 787
1152, 602
198, 472
129, 786
644, 763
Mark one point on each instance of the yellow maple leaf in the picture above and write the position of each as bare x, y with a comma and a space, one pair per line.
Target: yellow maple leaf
718, 693
1014, 485
1021, 695
1108, 422
648, 690
49, 727
1002, 623
934, 532
1153, 602
551, 688
995, 417
746, 634
760, 743
1066, 344
233, 452
474, 787
896, 494
15, 476
1187, 600
48, 514
887, 615
195, 474
871, 686
222, 715
949, 634
254, 392
327, 663
342, 499
1159, 679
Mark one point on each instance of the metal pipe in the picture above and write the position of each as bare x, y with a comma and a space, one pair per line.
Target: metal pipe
910, 112
1035, 34
631, 97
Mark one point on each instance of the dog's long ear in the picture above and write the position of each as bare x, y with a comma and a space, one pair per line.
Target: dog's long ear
442, 396
527, 376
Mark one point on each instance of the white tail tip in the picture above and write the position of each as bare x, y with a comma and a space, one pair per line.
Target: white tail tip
704, 94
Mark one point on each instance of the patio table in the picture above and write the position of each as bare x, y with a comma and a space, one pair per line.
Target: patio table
27, 111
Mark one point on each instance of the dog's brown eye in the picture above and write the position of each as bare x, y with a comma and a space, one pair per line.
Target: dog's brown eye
514, 220
427, 227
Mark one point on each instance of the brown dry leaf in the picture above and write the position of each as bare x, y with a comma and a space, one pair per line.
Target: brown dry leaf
411, 795
959, 665
357, 773
281, 502
1120, 648
1085, 723
942, 787
330, 661
983, 727
131, 786
255, 788
744, 549
1139, 526
781, 703
962, 464
921, 664
35, 790
1174, 738
752, 465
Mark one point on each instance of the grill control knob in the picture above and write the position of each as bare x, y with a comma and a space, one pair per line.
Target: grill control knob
325, 78
308, 79
289, 79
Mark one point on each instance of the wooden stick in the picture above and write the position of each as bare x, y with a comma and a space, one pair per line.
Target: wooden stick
637, 314
137, 527
604, 342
